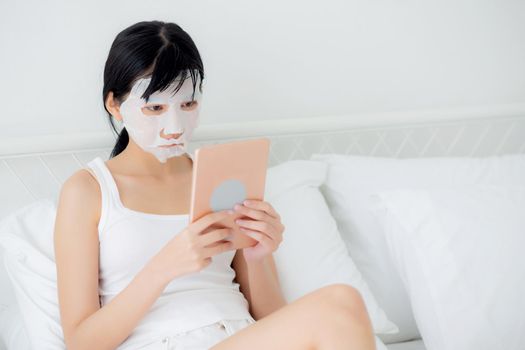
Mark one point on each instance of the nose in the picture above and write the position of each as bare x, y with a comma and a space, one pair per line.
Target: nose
172, 125
170, 136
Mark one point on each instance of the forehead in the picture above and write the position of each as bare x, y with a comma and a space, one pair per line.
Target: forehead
185, 92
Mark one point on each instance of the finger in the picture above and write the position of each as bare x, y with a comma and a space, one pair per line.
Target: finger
214, 236
207, 220
262, 205
218, 248
245, 230
212, 228
216, 244
255, 214
259, 236
255, 225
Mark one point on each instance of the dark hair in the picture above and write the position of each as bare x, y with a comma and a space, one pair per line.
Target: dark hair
161, 47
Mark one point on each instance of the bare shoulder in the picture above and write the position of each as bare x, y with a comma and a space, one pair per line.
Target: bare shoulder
81, 181
80, 197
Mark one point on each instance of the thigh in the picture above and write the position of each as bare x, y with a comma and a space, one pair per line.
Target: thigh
199, 338
293, 327
207, 336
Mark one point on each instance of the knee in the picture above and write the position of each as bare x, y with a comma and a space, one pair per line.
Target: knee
340, 307
345, 298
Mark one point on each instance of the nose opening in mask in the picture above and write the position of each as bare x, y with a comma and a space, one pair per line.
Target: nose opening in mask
172, 126
173, 135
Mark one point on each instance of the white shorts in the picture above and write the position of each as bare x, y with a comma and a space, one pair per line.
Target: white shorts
201, 338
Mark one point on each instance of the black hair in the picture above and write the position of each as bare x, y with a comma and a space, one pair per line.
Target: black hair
162, 48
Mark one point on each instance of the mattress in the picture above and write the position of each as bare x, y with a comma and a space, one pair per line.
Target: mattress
409, 345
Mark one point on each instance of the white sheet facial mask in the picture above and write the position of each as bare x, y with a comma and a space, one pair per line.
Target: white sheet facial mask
164, 112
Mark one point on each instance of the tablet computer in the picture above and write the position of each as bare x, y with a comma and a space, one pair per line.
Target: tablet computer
225, 174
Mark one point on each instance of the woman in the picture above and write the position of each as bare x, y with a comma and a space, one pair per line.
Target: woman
133, 272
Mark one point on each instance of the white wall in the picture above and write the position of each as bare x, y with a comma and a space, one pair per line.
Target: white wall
268, 59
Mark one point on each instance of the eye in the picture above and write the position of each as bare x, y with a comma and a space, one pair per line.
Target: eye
154, 108
190, 105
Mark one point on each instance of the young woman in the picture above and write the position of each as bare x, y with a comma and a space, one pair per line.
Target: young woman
133, 273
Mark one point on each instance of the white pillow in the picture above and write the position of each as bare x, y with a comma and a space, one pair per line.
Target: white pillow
312, 253
460, 253
350, 182
27, 239
12, 331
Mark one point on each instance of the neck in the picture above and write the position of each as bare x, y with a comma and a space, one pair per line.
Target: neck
145, 163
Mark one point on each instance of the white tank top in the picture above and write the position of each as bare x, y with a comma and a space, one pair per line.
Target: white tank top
129, 238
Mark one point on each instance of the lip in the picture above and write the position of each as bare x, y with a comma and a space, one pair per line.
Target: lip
172, 145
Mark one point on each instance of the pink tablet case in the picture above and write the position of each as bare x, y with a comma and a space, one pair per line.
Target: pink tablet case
226, 174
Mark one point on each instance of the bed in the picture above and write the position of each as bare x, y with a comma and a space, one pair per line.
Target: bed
35, 168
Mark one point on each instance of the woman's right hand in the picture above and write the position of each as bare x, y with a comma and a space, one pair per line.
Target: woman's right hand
192, 248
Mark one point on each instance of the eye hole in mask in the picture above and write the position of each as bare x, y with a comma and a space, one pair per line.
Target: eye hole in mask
156, 109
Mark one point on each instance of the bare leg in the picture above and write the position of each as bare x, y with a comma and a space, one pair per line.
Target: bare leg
330, 318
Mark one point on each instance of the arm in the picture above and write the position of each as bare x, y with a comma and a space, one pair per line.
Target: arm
85, 324
259, 283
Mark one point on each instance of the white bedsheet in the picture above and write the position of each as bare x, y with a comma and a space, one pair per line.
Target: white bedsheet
409, 345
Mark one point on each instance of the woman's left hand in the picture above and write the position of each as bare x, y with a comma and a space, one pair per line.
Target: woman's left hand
266, 228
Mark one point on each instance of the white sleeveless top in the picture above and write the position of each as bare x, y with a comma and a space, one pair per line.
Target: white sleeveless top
129, 238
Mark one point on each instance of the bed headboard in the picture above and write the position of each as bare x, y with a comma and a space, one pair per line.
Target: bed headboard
40, 165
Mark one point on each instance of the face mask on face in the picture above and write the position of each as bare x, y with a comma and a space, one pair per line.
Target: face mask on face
164, 112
